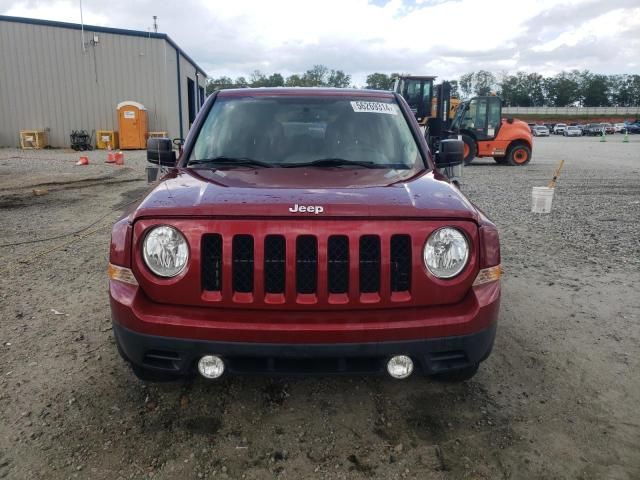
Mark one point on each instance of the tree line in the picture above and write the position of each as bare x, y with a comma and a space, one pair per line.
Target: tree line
574, 88
317, 76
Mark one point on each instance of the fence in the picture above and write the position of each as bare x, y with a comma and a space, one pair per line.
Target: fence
575, 111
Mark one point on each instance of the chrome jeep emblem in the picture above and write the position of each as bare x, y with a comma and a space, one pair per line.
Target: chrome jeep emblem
317, 209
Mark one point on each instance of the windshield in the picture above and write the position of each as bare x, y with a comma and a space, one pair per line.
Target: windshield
460, 113
285, 131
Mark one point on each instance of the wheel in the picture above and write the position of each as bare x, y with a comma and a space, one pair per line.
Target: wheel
519, 155
500, 160
458, 375
149, 375
470, 149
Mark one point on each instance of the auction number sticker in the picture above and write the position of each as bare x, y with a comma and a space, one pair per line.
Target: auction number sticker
375, 107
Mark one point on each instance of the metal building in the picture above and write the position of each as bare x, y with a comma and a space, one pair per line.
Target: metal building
59, 77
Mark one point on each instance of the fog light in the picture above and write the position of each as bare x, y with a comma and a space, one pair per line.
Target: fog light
400, 366
211, 366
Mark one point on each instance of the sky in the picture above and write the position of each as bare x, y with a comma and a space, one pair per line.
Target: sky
446, 38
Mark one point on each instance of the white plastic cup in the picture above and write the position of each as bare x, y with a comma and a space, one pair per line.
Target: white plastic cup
541, 198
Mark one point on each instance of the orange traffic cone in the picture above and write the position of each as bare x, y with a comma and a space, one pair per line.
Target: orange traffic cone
119, 158
83, 161
110, 156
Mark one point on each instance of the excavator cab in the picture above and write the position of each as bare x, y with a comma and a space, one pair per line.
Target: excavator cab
479, 117
418, 92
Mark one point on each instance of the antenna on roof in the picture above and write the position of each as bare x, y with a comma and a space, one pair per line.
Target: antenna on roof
155, 23
82, 27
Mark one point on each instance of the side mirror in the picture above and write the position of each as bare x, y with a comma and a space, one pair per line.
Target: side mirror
160, 151
451, 153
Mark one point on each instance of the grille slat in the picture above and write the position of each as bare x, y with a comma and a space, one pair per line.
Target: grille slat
211, 265
338, 263
274, 263
369, 264
306, 264
400, 263
243, 263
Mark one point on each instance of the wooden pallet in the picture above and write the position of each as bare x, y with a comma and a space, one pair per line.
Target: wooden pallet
104, 138
33, 139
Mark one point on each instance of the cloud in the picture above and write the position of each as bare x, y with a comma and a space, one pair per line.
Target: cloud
440, 37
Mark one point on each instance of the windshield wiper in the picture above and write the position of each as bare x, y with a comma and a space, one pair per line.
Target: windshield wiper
334, 162
224, 160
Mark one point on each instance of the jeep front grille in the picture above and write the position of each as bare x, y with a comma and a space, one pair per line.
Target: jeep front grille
336, 269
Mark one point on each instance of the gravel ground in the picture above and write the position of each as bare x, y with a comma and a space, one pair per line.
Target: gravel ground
558, 398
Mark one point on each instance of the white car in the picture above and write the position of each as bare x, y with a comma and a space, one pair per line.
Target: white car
540, 131
572, 131
619, 127
559, 128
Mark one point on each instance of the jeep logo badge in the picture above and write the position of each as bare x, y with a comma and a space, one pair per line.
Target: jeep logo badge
306, 209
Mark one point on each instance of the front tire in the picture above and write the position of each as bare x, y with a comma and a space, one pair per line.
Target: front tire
470, 149
518, 155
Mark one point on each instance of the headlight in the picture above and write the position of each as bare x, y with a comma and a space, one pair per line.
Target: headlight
165, 251
446, 252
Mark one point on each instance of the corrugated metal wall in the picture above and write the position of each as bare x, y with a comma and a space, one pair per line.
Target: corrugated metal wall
47, 81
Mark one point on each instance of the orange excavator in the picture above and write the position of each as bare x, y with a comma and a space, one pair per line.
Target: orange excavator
477, 121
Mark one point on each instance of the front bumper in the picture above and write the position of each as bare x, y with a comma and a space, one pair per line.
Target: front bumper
179, 356
172, 338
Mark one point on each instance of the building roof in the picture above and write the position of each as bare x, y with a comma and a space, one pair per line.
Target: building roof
95, 28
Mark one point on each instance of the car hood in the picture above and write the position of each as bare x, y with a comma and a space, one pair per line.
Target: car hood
280, 192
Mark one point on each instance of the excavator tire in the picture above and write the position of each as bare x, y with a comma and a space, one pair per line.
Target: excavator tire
470, 149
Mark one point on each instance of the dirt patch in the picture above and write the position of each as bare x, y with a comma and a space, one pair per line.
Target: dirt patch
557, 399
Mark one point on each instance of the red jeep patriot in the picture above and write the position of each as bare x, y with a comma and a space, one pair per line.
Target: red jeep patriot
304, 231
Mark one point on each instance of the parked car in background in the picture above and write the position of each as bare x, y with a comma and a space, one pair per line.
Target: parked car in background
540, 131
633, 128
559, 128
581, 127
619, 127
572, 131
608, 128
594, 129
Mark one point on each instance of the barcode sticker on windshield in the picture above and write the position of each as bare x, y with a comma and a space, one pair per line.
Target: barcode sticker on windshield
375, 107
